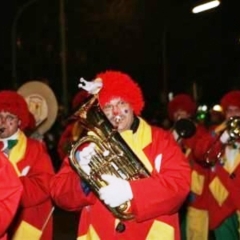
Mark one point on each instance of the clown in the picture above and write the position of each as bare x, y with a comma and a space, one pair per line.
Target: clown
10, 194
183, 107
33, 167
155, 200
223, 157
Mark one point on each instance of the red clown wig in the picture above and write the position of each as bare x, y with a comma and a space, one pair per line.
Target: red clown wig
183, 102
14, 103
230, 99
117, 84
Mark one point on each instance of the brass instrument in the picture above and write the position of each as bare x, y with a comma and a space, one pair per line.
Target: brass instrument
185, 128
113, 156
232, 126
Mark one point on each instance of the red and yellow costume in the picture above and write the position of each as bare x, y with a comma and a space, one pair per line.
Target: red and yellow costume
156, 200
194, 225
34, 219
33, 166
10, 194
195, 222
220, 181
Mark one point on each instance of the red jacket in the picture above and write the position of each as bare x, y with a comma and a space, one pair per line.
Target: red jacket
156, 199
34, 168
221, 188
10, 193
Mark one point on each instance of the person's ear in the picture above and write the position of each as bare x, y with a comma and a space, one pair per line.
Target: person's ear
19, 122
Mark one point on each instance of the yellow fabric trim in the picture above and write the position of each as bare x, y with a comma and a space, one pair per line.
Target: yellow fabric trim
197, 183
230, 168
139, 140
26, 231
219, 192
90, 235
197, 224
18, 151
160, 230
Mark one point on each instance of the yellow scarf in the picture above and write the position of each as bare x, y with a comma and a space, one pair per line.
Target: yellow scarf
18, 151
139, 140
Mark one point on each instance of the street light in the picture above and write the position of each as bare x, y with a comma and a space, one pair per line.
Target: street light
206, 6
13, 40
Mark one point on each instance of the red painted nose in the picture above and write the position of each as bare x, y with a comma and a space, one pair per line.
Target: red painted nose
115, 111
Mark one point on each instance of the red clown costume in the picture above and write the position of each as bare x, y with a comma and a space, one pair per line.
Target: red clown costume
156, 199
10, 194
221, 188
195, 226
33, 166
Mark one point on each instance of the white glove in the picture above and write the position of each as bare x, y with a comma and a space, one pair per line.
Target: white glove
224, 138
84, 157
117, 192
91, 87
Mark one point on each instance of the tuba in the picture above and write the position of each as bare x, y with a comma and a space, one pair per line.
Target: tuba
113, 156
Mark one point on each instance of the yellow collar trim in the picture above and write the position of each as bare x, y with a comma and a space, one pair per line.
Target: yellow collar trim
18, 151
139, 140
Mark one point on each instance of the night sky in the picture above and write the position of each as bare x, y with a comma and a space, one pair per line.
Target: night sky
160, 43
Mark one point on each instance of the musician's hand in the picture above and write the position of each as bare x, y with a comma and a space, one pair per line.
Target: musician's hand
91, 87
117, 192
84, 157
224, 138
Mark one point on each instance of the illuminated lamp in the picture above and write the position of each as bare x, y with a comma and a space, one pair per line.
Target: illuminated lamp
206, 6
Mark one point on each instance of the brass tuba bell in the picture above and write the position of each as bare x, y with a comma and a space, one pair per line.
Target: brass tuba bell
185, 128
113, 156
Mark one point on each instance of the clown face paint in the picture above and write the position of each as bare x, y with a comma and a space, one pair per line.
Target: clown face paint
179, 114
119, 113
232, 111
9, 124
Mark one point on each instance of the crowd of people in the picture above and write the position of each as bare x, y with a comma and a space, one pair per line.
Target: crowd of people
129, 179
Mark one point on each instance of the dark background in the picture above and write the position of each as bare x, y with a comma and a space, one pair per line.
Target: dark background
160, 43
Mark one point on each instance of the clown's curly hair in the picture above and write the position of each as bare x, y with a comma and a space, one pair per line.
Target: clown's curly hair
11, 101
119, 84
230, 98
